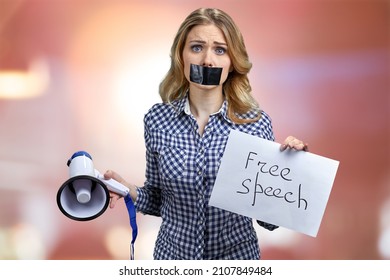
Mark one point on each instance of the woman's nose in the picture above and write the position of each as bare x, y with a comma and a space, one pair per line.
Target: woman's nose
207, 59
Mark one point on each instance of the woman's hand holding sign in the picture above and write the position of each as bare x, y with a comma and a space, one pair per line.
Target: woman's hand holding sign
293, 143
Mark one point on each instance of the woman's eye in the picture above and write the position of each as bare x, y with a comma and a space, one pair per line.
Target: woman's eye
220, 51
196, 48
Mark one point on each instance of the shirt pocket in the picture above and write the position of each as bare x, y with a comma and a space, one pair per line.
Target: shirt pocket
172, 161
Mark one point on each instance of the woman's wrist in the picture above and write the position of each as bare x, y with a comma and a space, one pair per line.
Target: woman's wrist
133, 192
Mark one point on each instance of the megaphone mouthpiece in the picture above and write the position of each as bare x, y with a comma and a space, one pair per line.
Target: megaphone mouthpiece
83, 189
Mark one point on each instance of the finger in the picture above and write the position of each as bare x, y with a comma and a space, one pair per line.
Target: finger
286, 142
301, 146
289, 139
294, 143
113, 175
283, 147
114, 198
291, 142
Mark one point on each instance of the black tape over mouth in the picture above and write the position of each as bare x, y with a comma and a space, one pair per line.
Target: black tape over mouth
209, 76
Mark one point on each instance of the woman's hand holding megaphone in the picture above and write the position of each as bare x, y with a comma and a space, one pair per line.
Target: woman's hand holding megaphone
114, 197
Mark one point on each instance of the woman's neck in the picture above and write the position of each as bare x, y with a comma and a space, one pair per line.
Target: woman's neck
203, 103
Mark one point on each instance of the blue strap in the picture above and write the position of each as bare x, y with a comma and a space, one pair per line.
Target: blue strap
133, 222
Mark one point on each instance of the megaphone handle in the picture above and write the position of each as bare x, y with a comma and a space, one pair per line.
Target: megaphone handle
116, 187
113, 185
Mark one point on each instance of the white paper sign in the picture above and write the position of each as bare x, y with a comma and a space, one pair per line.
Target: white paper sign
289, 189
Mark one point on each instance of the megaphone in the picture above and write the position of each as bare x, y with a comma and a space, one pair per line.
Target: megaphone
85, 195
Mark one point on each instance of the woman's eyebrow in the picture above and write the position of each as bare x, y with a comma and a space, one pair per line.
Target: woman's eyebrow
204, 42
198, 41
220, 43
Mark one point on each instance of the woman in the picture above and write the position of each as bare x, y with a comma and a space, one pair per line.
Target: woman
205, 94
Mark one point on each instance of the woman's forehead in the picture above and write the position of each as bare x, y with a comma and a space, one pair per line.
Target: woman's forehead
207, 33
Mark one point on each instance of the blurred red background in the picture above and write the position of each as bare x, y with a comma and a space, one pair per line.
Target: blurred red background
88, 70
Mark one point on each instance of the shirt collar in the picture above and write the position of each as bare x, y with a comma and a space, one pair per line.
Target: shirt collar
187, 110
182, 106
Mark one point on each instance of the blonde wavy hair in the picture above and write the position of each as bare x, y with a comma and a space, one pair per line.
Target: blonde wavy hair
236, 88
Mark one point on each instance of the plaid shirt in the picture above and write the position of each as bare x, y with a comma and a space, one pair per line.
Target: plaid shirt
181, 168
